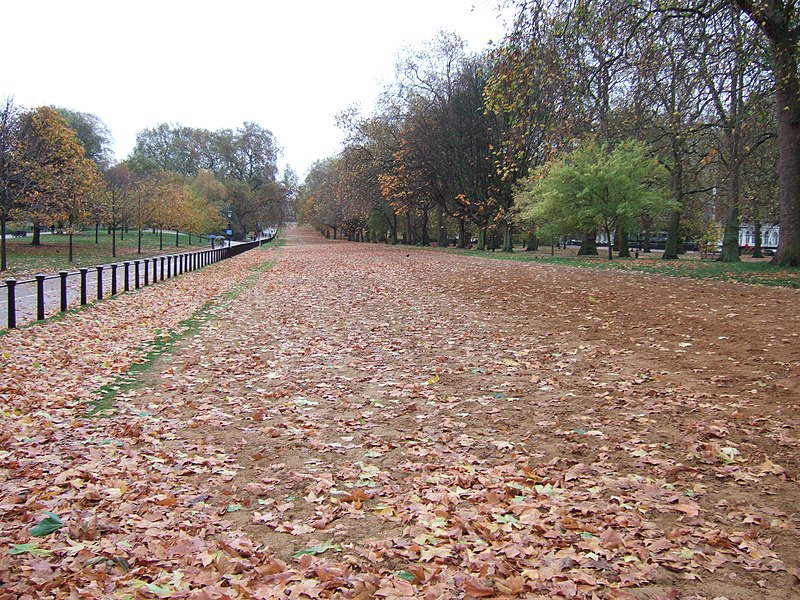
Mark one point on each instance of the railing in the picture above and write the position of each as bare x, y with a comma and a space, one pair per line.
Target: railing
45, 295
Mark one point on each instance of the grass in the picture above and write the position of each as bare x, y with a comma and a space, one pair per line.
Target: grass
748, 271
25, 259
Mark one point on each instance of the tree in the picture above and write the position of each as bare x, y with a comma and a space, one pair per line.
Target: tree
778, 19
62, 180
119, 183
594, 187
92, 133
12, 185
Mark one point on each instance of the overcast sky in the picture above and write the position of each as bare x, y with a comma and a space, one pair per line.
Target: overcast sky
289, 66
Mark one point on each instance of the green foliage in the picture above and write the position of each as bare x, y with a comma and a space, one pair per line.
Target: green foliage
594, 187
328, 545
31, 548
52, 522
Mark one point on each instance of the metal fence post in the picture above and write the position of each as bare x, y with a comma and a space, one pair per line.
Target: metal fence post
146, 272
40, 296
162, 268
83, 271
155, 270
136, 273
127, 266
114, 279
11, 285
99, 282
63, 275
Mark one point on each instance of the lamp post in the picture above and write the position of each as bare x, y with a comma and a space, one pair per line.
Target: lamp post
229, 231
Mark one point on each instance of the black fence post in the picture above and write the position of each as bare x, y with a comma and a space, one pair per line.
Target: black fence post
155, 270
40, 296
99, 282
162, 268
83, 271
11, 285
136, 273
114, 279
146, 271
63, 275
127, 266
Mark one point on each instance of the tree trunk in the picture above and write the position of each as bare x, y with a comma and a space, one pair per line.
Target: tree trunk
673, 232
532, 243
393, 228
624, 246
97, 232
481, 245
139, 242
730, 239
3, 260
440, 228
177, 239
426, 240
589, 244
674, 227
37, 235
114, 239
508, 238
788, 108
462, 233
610, 245
757, 242
71, 230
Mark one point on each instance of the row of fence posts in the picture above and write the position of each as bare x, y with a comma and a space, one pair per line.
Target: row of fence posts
144, 271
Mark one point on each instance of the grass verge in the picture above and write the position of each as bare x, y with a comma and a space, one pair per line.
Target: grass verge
757, 273
165, 341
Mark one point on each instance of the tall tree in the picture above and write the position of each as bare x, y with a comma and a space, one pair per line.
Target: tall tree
778, 19
12, 185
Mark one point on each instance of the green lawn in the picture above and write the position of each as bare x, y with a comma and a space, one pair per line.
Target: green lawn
25, 259
750, 270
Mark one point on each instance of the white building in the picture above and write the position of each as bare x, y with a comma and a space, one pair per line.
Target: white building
770, 234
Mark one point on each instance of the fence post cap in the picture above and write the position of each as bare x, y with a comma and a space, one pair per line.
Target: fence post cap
63, 272
11, 280
40, 276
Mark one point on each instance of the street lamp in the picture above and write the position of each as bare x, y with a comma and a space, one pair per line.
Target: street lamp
229, 231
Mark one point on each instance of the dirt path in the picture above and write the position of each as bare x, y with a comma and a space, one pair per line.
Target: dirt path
366, 421
455, 426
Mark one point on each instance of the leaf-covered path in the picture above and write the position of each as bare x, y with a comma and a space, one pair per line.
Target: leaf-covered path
367, 421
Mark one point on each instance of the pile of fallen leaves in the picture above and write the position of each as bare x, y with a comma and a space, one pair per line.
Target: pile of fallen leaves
365, 422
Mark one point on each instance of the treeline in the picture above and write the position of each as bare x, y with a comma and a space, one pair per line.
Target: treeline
56, 171
703, 94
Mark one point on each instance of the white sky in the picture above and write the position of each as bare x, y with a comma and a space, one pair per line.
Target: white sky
289, 66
